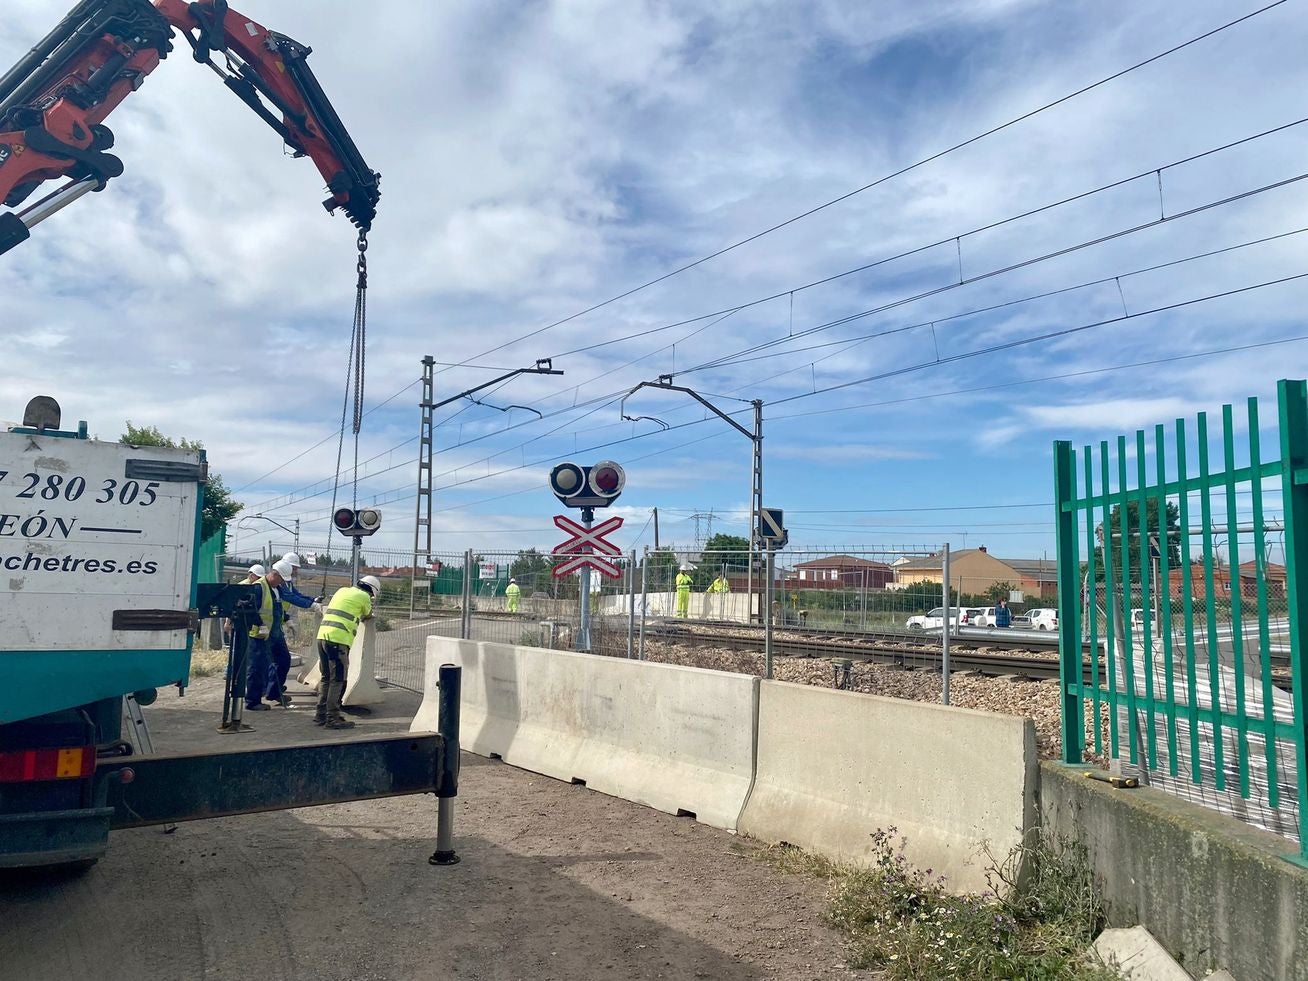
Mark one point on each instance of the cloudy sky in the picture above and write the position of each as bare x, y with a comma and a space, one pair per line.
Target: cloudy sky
539, 159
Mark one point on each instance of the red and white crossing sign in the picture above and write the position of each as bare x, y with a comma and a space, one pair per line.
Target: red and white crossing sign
597, 562
584, 544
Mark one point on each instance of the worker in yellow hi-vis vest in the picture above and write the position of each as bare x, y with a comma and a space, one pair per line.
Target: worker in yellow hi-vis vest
683, 592
512, 594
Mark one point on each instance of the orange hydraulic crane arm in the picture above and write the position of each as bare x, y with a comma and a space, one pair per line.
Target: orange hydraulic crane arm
54, 101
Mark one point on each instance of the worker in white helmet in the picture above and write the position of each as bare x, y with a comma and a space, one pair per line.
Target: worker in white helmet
512, 594
252, 576
259, 660
279, 664
683, 591
349, 606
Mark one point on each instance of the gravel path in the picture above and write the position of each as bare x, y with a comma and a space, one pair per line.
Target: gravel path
557, 883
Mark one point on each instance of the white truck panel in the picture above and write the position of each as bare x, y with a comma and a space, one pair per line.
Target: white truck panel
79, 540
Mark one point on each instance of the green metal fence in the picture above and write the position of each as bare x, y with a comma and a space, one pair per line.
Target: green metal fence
1181, 562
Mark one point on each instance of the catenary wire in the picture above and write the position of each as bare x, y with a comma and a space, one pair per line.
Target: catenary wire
885, 178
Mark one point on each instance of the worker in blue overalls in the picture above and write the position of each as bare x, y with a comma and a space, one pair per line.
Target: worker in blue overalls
280, 662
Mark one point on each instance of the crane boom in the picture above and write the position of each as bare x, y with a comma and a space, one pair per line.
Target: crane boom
54, 101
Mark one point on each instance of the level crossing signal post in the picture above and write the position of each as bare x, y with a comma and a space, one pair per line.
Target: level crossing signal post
356, 524
773, 535
587, 488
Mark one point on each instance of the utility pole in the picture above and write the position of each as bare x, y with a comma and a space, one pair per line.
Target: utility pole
664, 383
422, 517
656, 529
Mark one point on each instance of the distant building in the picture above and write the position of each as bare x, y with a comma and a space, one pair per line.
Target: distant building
975, 570
840, 572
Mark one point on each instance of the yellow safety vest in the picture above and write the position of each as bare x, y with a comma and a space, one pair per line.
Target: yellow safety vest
263, 628
684, 581
340, 620
513, 590
720, 586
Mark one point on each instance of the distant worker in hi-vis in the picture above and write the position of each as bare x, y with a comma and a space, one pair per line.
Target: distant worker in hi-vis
349, 606
513, 594
719, 585
683, 592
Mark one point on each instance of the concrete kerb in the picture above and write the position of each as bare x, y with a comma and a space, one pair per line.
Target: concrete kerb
677, 739
834, 767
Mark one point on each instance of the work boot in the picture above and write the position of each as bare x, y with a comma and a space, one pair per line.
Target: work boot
320, 718
335, 690
339, 724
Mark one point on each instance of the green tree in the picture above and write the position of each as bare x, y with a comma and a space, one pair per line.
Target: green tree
1133, 537
722, 553
532, 570
219, 507
999, 590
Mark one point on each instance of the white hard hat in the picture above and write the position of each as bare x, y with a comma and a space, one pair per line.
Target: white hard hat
293, 559
258, 570
511, 579
283, 569
685, 568
373, 584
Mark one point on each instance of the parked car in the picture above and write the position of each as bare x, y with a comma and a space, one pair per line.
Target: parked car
935, 619
1043, 619
985, 617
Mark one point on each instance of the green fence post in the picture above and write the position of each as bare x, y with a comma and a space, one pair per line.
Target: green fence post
1292, 399
1071, 673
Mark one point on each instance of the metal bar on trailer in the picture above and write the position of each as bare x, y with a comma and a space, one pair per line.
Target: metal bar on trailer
147, 790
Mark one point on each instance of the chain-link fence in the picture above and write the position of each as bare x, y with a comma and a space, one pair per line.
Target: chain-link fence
514, 597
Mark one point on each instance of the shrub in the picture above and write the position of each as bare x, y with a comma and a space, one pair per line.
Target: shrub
902, 921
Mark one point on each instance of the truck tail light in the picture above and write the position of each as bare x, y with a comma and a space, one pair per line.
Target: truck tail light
29, 765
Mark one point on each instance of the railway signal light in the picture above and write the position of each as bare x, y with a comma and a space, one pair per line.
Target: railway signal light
356, 522
596, 486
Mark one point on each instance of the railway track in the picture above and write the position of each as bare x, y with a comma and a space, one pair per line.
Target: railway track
904, 651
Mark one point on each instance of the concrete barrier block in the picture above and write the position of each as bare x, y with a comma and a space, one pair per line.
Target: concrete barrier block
361, 686
677, 739
835, 766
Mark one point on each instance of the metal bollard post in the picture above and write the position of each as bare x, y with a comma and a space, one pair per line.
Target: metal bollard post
447, 775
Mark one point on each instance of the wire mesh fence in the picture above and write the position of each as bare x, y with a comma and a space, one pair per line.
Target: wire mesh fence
1180, 557
515, 598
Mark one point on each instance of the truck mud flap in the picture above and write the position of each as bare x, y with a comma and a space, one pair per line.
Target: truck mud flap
53, 837
148, 790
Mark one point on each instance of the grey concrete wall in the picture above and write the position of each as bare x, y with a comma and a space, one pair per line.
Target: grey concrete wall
1215, 892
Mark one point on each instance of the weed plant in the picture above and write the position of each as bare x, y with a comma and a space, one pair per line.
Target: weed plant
901, 920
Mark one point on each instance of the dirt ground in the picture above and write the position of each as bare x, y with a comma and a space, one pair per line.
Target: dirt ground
557, 882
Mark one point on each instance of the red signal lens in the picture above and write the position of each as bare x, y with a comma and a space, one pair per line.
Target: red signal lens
606, 479
343, 518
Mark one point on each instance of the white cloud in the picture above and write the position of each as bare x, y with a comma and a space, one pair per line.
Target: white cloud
537, 159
